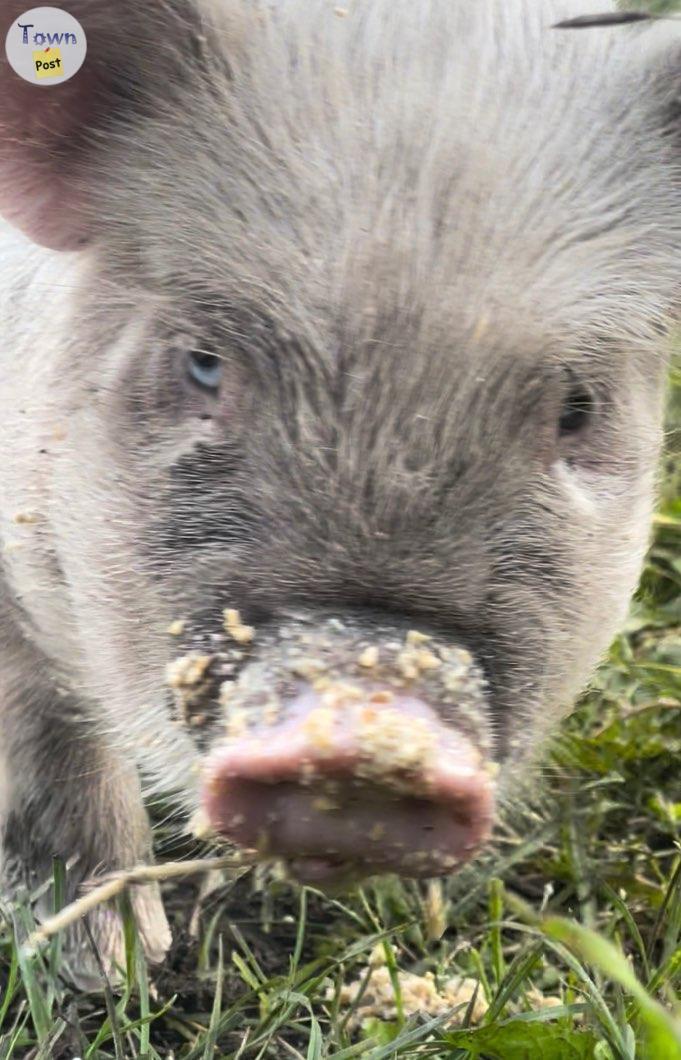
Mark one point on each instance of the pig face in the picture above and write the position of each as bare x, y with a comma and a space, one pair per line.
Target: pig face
354, 402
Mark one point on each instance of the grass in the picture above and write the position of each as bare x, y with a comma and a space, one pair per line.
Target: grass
570, 931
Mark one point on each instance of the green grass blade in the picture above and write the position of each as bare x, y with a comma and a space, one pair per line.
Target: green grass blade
214, 1026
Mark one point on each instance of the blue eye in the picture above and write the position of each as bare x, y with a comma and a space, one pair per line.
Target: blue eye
205, 369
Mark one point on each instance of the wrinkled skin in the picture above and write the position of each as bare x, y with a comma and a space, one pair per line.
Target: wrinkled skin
360, 319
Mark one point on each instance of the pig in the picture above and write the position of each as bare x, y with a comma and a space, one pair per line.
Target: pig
333, 360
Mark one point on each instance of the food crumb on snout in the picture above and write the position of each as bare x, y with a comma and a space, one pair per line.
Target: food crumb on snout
193, 683
188, 671
235, 628
369, 657
261, 685
200, 680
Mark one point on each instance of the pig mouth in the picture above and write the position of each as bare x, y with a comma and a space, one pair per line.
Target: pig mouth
381, 785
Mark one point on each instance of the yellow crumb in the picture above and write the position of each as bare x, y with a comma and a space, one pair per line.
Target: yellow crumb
382, 696
420, 995
452, 680
188, 670
369, 657
237, 723
406, 664
307, 668
319, 726
427, 660
394, 747
340, 695
235, 628
539, 1000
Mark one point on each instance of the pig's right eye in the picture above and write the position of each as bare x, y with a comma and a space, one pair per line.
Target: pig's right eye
205, 370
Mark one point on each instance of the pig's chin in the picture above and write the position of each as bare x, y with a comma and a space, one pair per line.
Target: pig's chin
388, 788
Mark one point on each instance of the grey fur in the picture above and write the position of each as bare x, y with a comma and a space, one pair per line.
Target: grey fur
402, 229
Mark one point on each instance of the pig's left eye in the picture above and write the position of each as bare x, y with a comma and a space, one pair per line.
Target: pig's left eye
205, 369
577, 411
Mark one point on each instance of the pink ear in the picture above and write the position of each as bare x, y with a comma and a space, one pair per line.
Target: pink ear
42, 135
46, 133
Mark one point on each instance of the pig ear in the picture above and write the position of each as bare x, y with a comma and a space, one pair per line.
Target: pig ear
40, 147
48, 135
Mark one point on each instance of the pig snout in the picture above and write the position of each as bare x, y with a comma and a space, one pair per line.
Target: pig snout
379, 785
348, 760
